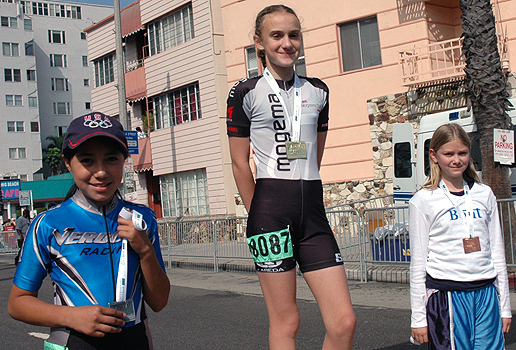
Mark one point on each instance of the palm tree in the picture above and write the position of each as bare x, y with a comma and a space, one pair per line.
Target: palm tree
53, 154
486, 86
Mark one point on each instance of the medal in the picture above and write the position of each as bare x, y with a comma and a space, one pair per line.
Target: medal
296, 150
127, 307
471, 245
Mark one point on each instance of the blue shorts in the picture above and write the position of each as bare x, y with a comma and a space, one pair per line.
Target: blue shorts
465, 320
296, 205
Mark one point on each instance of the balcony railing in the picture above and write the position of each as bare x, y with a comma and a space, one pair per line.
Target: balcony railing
440, 62
437, 62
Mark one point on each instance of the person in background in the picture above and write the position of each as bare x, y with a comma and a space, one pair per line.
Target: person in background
141, 134
22, 225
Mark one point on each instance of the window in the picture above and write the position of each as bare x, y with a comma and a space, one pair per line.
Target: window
23, 177
177, 107
402, 161
40, 8
58, 61
62, 108
34, 127
13, 100
59, 84
60, 130
13, 75
31, 75
56, 36
10, 49
83, 36
86, 82
29, 48
300, 66
104, 70
13, 126
185, 194
57, 10
87, 105
10, 22
17, 153
252, 61
85, 61
171, 31
33, 101
27, 24
360, 44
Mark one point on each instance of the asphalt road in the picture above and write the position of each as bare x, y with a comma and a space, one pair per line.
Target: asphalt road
224, 311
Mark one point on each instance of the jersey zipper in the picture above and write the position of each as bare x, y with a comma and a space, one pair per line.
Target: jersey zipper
110, 252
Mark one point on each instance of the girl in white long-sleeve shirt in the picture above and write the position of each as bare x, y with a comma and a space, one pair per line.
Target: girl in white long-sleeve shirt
459, 289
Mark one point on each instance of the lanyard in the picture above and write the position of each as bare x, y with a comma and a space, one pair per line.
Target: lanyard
469, 206
296, 120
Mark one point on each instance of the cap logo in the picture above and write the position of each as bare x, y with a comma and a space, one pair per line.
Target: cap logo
97, 121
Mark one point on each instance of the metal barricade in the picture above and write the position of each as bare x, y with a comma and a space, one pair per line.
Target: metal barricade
385, 235
369, 236
8, 241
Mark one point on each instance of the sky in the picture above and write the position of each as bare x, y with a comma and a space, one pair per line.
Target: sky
123, 3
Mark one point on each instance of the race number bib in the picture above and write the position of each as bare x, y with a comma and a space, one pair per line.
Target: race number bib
271, 246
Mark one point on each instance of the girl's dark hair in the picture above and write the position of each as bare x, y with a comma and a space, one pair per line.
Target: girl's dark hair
258, 26
442, 135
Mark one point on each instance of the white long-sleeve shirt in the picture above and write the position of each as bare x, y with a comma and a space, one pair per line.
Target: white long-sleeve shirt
436, 247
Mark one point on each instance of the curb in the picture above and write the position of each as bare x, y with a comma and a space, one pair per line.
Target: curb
379, 273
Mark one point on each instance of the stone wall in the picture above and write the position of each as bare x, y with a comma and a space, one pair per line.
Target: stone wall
384, 112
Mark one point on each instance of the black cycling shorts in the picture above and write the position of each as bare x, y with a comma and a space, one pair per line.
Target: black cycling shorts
136, 337
297, 205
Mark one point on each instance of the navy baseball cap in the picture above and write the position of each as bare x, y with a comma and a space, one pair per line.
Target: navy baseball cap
92, 125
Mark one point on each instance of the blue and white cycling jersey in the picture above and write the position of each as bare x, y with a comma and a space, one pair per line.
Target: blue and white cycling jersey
70, 243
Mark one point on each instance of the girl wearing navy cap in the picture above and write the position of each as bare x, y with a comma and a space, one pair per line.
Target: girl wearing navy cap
101, 252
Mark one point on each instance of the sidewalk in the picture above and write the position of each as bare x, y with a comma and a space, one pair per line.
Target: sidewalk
238, 276
398, 273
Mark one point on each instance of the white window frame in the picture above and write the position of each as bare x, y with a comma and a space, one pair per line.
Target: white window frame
62, 107
32, 101
171, 31
13, 100
29, 48
59, 84
31, 75
251, 60
56, 36
15, 126
359, 44
105, 70
176, 106
63, 60
185, 194
11, 49
14, 75
17, 153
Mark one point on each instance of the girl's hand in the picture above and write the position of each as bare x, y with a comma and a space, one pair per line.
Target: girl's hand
95, 320
138, 240
506, 324
420, 334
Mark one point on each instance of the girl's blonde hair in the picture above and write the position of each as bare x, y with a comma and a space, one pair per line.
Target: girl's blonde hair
444, 134
260, 18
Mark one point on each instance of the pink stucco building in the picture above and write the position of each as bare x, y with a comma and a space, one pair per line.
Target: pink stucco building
182, 58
